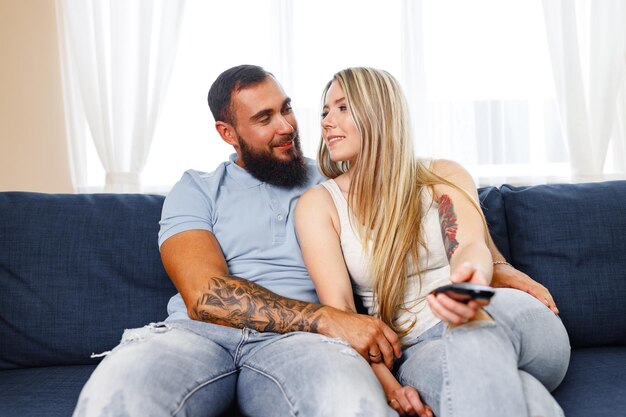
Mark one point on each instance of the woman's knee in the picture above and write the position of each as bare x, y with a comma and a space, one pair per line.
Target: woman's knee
509, 303
539, 337
526, 316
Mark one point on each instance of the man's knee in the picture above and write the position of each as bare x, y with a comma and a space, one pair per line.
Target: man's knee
159, 366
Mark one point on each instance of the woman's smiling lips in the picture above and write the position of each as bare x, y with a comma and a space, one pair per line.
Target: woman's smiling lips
330, 140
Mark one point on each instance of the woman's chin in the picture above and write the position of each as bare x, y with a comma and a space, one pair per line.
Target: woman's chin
339, 158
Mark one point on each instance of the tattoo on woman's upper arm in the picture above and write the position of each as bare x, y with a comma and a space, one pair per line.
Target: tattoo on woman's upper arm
449, 225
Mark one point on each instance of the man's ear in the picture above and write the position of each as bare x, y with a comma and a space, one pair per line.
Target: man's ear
227, 132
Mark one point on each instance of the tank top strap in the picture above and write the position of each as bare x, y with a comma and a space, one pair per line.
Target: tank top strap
341, 204
336, 194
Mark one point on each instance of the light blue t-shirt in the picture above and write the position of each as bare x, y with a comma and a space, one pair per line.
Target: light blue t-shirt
253, 222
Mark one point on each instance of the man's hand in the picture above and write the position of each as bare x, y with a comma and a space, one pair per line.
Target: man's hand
407, 402
368, 335
454, 312
506, 276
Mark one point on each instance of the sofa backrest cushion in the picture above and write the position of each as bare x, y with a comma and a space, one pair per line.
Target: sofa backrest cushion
570, 237
75, 271
492, 203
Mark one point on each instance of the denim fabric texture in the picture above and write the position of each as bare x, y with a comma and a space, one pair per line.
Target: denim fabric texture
570, 237
500, 367
75, 271
191, 368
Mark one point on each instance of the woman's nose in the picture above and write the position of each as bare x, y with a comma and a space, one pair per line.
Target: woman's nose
328, 121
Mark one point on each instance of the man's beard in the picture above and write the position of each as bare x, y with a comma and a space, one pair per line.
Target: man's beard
267, 168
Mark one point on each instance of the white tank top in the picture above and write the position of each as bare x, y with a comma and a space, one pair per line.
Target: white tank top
433, 266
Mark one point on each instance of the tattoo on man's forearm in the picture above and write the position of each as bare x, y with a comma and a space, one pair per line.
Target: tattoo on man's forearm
449, 226
236, 302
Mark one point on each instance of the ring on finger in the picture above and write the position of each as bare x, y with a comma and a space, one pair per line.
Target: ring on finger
378, 355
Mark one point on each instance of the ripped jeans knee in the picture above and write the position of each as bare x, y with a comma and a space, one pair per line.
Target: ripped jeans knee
135, 335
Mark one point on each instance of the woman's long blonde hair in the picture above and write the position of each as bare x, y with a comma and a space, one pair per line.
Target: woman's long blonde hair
388, 183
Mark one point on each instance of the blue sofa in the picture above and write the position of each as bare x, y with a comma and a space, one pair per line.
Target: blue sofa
76, 270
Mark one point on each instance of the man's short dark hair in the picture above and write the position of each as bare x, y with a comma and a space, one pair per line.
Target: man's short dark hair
229, 82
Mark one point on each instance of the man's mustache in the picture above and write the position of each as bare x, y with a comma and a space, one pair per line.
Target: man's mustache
294, 136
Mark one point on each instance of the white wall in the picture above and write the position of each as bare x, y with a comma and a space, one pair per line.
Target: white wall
33, 151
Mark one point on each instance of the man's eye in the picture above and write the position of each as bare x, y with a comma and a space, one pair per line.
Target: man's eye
287, 110
264, 120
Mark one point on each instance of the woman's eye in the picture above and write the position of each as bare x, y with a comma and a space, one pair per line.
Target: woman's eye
324, 114
343, 108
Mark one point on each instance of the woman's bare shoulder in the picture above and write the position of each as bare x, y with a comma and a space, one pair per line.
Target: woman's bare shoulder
453, 172
446, 168
316, 197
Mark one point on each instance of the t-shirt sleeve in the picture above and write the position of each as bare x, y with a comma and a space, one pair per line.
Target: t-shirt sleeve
186, 207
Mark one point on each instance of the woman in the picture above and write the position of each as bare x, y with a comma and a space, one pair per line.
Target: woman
396, 228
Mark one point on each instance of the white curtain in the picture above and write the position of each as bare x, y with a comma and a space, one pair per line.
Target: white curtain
282, 38
481, 99
619, 144
479, 80
413, 78
587, 41
117, 57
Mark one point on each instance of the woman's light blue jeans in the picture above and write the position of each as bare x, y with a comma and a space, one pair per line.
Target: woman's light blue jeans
190, 368
506, 367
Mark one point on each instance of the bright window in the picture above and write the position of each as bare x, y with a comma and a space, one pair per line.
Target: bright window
489, 97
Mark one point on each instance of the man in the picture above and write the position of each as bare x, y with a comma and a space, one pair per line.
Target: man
257, 332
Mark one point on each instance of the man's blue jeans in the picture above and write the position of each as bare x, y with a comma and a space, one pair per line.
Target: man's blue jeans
506, 367
191, 368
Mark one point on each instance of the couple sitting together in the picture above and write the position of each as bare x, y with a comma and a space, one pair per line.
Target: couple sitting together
267, 254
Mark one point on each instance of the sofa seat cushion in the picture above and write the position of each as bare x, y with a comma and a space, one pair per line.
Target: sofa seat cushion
595, 384
570, 237
35, 392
